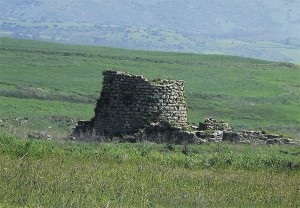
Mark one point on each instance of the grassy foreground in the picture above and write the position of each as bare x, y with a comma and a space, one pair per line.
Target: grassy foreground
35, 173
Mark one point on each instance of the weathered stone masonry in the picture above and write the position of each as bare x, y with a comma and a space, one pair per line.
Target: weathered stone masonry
129, 102
137, 109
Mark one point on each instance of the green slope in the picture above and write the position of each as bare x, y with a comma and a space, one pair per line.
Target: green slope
50, 85
151, 39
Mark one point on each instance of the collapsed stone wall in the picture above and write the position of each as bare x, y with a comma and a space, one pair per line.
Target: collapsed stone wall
130, 102
138, 109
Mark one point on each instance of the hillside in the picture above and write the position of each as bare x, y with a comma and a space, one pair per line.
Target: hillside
260, 28
47, 87
213, 17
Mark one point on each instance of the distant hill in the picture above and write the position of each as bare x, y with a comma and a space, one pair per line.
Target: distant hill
258, 28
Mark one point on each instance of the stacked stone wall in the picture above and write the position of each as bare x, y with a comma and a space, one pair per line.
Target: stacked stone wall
129, 102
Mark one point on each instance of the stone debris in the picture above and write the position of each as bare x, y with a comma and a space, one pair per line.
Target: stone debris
213, 124
166, 132
39, 135
214, 131
133, 108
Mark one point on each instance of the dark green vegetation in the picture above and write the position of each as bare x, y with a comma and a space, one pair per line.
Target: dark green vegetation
259, 28
36, 173
46, 87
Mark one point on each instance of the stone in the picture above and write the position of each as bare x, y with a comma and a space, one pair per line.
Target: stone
123, 93
287, 141
213, 124
200, 134
274, 141
214, 139
231, 136
39, 135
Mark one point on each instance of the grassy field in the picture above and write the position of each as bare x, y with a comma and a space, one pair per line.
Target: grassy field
48, 87
43, 86
37, 173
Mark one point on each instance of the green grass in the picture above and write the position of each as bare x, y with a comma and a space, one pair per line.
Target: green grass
47, 86
35, 173
66, 80
54, 117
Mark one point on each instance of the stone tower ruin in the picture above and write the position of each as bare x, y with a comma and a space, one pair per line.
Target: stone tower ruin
130, 102
155, 110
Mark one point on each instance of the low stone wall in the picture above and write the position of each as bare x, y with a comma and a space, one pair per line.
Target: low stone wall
214, 131
130, 102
